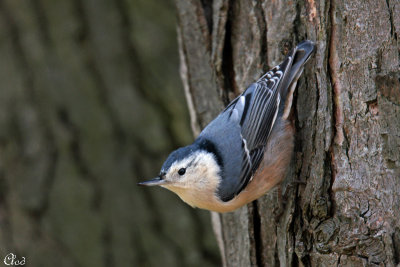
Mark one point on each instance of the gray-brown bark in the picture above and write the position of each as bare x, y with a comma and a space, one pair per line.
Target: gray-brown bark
90, 105
342, 193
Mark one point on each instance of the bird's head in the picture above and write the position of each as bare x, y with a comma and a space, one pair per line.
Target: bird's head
188, 170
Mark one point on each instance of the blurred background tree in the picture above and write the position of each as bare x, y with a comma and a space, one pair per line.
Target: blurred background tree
91, 103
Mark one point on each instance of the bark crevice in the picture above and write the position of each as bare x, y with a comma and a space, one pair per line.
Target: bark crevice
255, 235
227, 68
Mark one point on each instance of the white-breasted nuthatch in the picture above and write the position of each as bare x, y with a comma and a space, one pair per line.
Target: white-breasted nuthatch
245, 151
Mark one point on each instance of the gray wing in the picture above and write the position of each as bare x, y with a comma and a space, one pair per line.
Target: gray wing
241, 131
258, 106
248, 121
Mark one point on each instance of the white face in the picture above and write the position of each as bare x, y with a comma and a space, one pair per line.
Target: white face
198, 172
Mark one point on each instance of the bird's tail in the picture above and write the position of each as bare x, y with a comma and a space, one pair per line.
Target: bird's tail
293, 67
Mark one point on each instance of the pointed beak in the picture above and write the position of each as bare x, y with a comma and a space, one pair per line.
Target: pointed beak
156, 181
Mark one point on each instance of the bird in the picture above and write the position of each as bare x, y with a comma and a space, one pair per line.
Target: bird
246, 150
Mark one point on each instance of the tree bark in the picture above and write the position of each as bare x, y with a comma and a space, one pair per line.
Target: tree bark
91, 104
341, 197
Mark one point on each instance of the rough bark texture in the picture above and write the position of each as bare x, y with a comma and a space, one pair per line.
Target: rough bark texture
341, 197
90, 103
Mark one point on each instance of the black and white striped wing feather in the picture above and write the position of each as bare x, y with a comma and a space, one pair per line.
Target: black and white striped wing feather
259, 106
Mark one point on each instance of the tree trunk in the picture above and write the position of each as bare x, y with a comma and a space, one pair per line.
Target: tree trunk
341, 197
90, 104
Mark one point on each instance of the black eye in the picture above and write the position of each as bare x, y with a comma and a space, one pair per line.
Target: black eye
181, 171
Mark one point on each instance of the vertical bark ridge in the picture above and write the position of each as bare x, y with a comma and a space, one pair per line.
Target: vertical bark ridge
185, 77
333, 66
